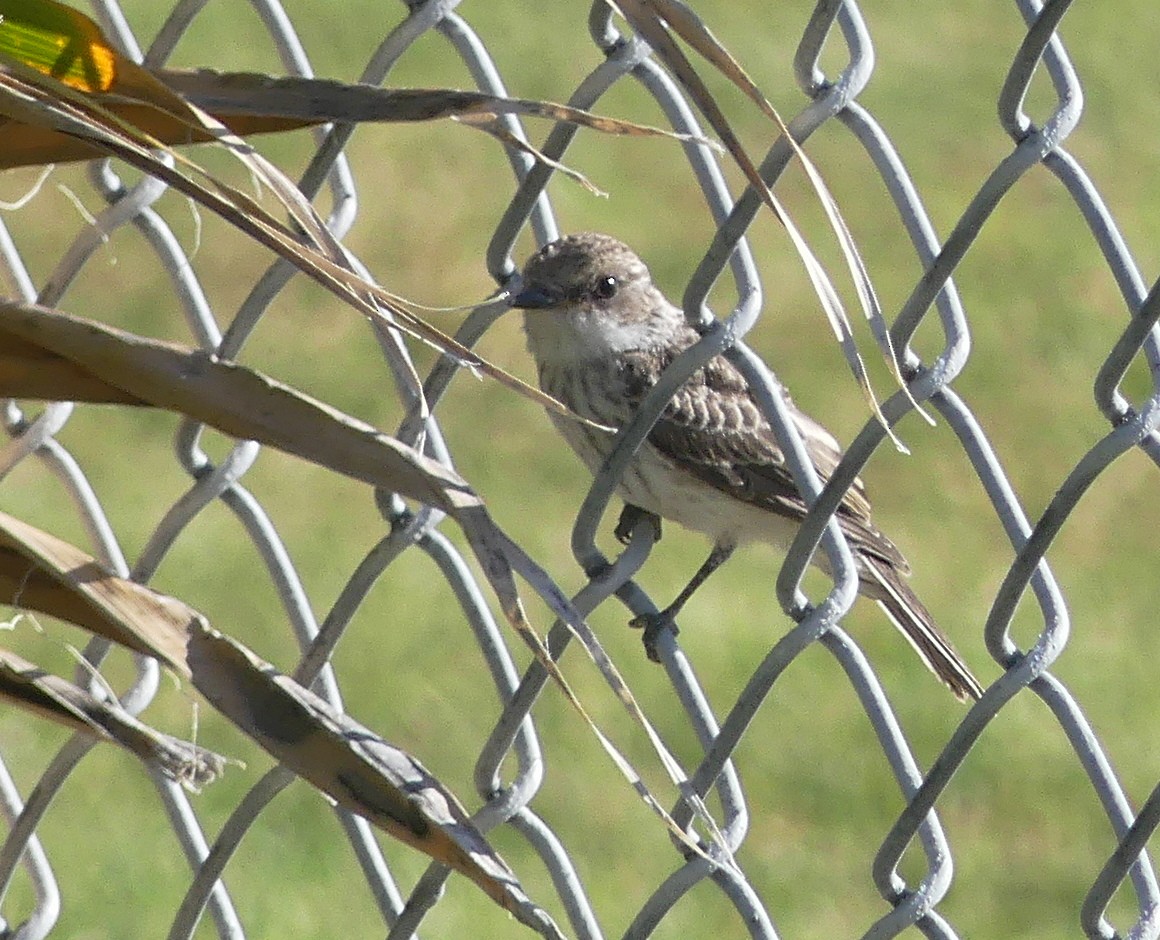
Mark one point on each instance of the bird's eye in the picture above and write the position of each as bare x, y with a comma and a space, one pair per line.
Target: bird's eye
606, 288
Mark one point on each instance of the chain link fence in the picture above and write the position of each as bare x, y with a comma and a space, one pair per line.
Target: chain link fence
511, 764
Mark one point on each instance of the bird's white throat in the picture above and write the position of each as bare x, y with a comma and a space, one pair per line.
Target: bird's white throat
571, 334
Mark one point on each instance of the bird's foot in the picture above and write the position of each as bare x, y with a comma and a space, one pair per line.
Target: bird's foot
630, 516
654, 625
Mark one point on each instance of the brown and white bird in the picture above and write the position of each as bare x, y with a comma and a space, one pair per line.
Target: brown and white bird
601, 333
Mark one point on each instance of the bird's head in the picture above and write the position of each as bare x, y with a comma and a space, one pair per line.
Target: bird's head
588, 296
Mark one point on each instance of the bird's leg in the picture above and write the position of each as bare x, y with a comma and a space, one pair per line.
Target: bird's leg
653, 624
630, 515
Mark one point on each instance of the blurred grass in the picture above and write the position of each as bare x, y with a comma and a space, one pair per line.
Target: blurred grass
1026, 828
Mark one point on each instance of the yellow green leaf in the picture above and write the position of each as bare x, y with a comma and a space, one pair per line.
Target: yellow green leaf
59, 41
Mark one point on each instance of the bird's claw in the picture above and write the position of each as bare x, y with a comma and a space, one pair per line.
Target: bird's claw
630, 516
654, 625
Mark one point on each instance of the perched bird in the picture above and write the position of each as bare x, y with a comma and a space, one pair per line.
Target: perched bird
601, 333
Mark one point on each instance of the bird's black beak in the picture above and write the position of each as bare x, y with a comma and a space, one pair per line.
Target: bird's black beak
534, 298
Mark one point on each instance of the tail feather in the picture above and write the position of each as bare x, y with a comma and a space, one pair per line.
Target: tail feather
882, 582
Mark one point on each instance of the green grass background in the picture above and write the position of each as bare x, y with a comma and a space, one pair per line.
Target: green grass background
1025, 826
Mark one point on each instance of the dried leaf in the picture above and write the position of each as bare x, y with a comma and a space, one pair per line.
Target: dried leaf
498, 555
653, 19
491, 125
29, 687
122, 367
41, 572
38, 100
358, 769
99, 122
320, 100
249, 405
353, 765
177, 107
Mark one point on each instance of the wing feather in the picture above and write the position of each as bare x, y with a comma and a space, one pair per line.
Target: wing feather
713, 429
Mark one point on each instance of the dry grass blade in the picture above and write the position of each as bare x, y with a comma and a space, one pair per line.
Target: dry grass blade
246, 104
38, 571
354, 766
36, 99
343, 759
113, 365
653, 19
498, 554
320, 100
30, 370
29, 687
489, 124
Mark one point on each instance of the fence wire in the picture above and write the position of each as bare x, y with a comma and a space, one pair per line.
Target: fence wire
508, 787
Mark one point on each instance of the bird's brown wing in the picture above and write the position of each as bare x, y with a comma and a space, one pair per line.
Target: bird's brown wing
713, 429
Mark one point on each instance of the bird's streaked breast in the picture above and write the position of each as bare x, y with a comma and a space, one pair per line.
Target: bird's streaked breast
595, 390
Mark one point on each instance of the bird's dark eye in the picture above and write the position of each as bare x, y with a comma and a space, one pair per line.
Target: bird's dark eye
606, 288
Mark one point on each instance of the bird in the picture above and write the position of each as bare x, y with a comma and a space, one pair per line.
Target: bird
601, 333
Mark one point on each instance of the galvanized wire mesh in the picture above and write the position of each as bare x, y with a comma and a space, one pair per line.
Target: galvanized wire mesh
507, 788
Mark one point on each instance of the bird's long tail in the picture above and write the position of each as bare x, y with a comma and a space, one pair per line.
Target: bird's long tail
885, 584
